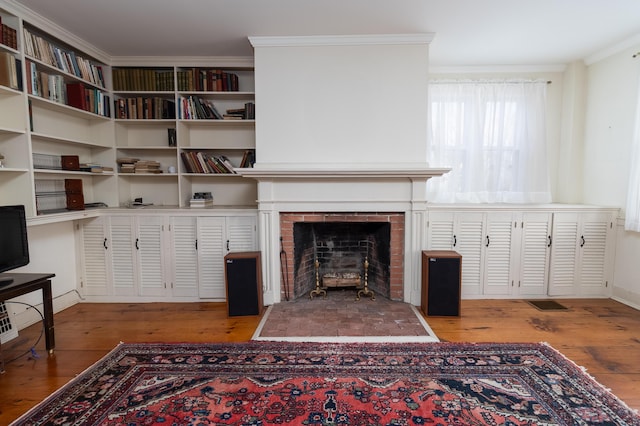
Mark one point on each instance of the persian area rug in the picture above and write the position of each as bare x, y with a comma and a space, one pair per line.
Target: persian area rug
294, 383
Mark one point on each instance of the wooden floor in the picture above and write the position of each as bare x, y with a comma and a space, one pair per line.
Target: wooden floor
600, 335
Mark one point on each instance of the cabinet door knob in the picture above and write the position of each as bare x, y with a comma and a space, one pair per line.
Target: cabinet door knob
582, 241
455, 241
196, 244
487, 245
137, 248
227, 245
104, 244
549, 241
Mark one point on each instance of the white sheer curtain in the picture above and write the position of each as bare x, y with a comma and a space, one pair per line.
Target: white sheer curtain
632, 213
493, 136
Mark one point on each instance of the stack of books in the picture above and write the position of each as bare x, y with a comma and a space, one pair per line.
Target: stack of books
147, 166
135, 165
201, 200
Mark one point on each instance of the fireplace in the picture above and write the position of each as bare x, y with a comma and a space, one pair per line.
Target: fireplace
349, 248
393, 196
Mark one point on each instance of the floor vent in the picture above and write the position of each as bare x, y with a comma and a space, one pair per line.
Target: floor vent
7, 330
547, 305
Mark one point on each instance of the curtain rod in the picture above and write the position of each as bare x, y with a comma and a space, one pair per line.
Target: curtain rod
469, 81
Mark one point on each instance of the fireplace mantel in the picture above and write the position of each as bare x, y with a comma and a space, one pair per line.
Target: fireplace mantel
343, 173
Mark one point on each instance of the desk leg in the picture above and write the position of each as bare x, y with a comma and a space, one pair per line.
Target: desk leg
47, 301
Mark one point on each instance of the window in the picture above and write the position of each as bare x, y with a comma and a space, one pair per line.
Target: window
493, 136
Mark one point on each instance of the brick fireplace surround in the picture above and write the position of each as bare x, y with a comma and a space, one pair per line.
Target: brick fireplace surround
396, 220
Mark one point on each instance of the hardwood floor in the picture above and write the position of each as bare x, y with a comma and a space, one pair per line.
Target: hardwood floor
600, 335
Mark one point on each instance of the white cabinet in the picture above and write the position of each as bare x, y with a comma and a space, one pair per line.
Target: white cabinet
184, 254
95, 270
581, 254
528, 252
107, 256
500, 255
532, 253
199, 246
462, 232
123, 256
150, 249
484, 239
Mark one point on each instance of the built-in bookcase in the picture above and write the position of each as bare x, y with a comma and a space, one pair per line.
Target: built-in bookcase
213, 112
58, 100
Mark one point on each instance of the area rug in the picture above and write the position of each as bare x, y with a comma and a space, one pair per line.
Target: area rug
268, 383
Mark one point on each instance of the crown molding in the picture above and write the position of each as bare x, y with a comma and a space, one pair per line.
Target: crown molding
56, 31
340, 40
193, 61
612, 50
497, 69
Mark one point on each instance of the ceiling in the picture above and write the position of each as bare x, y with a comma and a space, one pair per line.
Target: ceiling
467, 32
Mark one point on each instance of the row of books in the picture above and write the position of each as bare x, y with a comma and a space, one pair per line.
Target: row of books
65, 60
197, 108
248, 112
142, 80
206, 162
152, 108
207, 80
10, 71
77, 95
8, 35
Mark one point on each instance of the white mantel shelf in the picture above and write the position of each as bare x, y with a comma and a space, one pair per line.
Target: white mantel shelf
336, 173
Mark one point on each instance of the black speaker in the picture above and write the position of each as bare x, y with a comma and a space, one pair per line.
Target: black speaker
243, 281
441, 283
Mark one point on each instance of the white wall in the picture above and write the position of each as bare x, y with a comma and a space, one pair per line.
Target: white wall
341, 104
52, 249
612, 91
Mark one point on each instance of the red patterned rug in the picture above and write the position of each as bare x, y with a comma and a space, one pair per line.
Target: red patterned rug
275, 383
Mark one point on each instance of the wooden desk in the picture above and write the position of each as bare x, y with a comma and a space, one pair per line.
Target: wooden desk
26, 283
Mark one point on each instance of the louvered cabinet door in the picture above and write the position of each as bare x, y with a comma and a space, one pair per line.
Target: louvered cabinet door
498, 253
211, 252
593, 242
534, 254
94, 280
468, 241
123, 271
184, 256
440, 231
149, 246
241, 234
564, 254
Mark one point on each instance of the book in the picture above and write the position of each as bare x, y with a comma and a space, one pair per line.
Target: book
171, 136
77, 96
8, 71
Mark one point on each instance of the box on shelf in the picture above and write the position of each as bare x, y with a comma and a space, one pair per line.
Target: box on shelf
70, 162
73, 186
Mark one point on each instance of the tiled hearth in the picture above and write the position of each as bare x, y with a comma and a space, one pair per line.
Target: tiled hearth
340, 317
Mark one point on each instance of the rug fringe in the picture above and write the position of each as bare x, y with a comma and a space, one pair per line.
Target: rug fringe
606, 389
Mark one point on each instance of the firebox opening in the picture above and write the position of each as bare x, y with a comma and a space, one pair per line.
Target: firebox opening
341, 249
